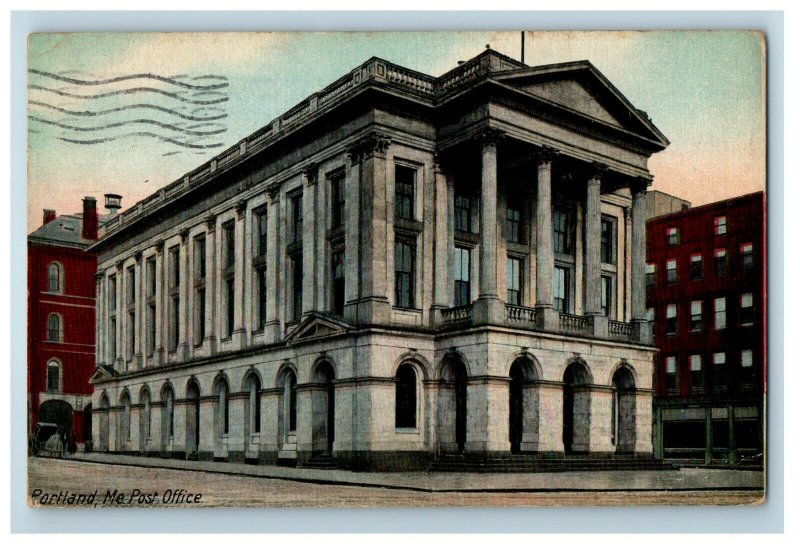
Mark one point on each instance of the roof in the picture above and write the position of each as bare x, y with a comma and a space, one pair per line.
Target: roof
719, 204
65, 230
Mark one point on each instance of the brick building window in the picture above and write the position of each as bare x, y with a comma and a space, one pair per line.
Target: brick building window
55, 278
672, 271
747, 371
672, 319
746, 309
746, 251
53, 376
720, 314
696, 266
696, 323
672, 373
672, 236
650, 275
55, 328
720, 371
721, 261
696, 371
720, 225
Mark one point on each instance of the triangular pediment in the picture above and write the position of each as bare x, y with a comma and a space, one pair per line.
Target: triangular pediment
581, 88
317, 325
102, 373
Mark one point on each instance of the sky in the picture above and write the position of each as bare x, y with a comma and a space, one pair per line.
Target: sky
130, 133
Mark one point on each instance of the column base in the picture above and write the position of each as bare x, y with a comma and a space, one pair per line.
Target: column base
488, 310
599, 326
643, 332
547, 318
272, 331
369, 311
210, 345
239, 338
184, 351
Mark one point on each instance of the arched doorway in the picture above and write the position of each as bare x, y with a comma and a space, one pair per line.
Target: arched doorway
167, 417
124, 422
522, 410
623, 411
58, 412
102, 423
192, 418
577, 413
452, 405
323, 407
87, 427
252, 412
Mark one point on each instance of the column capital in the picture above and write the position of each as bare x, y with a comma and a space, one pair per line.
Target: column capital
626, 211
310, 173
160, 246
371, 145
118, 264
210, 222
544, 156
273, 193
98, 277
184, 235
489, 136
638, 186
138, 257
597, 171
241, 208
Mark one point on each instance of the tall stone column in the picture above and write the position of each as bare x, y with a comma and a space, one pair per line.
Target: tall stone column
119, 361
184, 345
352, 257
442, 250
272, 328
547, 317
309, 241
211, 334
239, 336
489, 308
592, 222
100, 318
638, 256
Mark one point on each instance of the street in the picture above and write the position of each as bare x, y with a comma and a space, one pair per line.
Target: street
54, 481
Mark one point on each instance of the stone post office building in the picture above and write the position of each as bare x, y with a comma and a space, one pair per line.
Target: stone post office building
399, 267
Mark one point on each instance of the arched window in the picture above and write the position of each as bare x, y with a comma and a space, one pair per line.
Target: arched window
405, 397
222, 406
253, 386
55, 279
144, 400
290, 397
53, 376
168, 418
54, 329
125, 401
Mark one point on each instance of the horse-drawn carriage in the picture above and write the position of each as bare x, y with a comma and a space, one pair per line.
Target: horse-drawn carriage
48, 440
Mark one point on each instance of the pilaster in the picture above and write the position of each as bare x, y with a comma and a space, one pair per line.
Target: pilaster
310, 186
272, 327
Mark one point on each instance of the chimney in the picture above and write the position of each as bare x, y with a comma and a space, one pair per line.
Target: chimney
49, 215
113, 203
89, 231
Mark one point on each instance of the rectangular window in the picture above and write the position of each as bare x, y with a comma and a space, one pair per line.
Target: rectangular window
720, 225
230, 295
338, 280
672, 319
174, 298
261, 290
720, 317
404, 259
696, 324
606, 294
696, 368
229, 245
130, 323
746, 309
513, 281
130, 286
672, 271
461, 288
404, 192
747, 369
112, 293
260, 232
696, 265
199, 315
672, 373
607, 241
112, 332
150, 341
297, 286
150, 271
296, 217
513, 225
200, 258
562, 232
720, 371
672, 236
337, 201
650, 275
130, 327
463, 214
561, 285
747, 256
721, 261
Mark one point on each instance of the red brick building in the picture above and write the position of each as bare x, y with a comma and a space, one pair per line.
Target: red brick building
706, 297
61, 319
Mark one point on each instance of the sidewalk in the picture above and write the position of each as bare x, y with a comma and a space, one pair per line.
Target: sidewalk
686, 479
